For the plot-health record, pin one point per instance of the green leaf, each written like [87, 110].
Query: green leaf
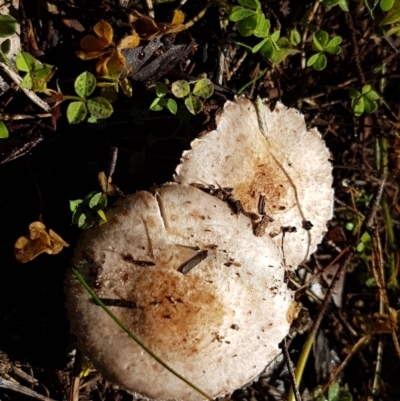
[194, 104]
[85, 84]
[8, 26]
[372, 95]
[74, 204]
[294, 37]
[38, 84]
[204, 88]
[320, 40]
[180, 88]
[5, 46]
[336, 41]
[320, 62]
[27, 82]
[254, 4]
[95, 199]
[284, 50]
[247, 25]
[238, 13]
[102, 215]
[370, 106]
[136, 162]
[103, 201]
[3, 130]
[155, 105]
[257, 47]
[311, 61]
[333, 50]
[76, 112]
[25, 62]
[333, 391]
[344, 5]
[161, 89]
[386, 5]
[82, 220]
[395, 30]
[354, 94]
[99, 107]
[262, 28]
[330, 3]
[42, 71]
[393, 15]
[275, 36]
[268, 49]
[171, 105]
[357, 104]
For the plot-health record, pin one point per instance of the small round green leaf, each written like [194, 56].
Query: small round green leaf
[312, 60]
[42, 70]
[27, 82]
[180, 88]
[204, 88]
[85, 84]
[171, 105]
[386, 5]
[194, 104]
[254, 4]
[263, 27]
[320, 39]
[155, 105]
[247, 26]
[3, 130]
[8, 26]
[357, 104]
[76, 112]
[267, 50]
[95, 199]
[275, 36]
[370, 106]
[6, 46]
[161, 89]
[294, 37]
[25, 62]
[320, 62]
[336, 41]
[99, 107]
[238, 13]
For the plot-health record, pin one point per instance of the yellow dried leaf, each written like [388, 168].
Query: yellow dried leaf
[178, 18]
[106, 186]
[90, 55]
[105, 32]
[38, 241]
[116, 64]
[90, 43]
[129, 42]
[101, 66]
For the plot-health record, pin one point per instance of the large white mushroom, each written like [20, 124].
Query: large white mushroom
[189, 278]
[281, 177]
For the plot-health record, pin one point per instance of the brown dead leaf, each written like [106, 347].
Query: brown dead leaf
[38, 241]
[148, 28]
[111, 60]
[107, 187]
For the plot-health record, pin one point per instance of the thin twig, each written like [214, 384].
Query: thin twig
[289, 364]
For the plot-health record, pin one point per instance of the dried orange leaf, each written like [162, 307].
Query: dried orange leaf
[178, 18]
[129, 42]
[105, 32]
[39, 240]
[90, 55]
[116, 64]
[90, 43]
[106, 186]
[101, 66]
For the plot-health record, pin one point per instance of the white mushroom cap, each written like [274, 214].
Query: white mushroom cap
[218, 325]
[290, 169]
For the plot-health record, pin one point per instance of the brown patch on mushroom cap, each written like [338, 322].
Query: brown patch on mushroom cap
[289, 168]
[219, 324]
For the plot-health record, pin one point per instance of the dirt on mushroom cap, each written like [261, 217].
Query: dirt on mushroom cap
[218, 325]
[289, 169]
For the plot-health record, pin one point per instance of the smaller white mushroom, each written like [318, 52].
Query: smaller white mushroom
[283, 179]
[189, 278]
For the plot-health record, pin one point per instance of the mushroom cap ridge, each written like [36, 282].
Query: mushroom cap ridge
[219, 325]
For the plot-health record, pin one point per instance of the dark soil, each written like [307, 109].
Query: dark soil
[46, 162]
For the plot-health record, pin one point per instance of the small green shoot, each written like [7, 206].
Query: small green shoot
[37, 74]
[3, 130]
[343, 4]
[89, 212]
[8, 26]
[203, 88]
[249, 18]
[392, 17]
[323, 45]
[161, 101]
[98, 107]
[334, 393]
[364, 102]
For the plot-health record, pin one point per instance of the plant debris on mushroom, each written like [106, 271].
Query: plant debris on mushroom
[187, 275]
[282, 177]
